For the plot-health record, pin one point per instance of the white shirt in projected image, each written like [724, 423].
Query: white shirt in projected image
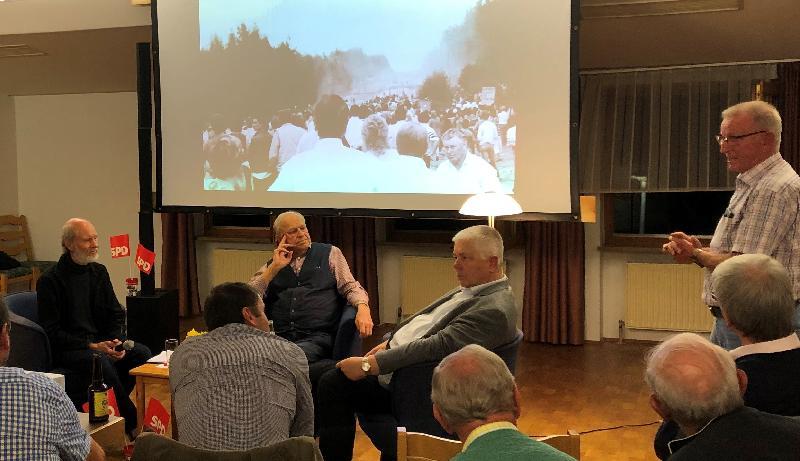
[404, 174]
[329, 167]
[476, 175]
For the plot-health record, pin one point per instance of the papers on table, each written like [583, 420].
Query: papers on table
[160, 358]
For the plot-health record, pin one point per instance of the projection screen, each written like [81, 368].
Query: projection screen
[364, 104]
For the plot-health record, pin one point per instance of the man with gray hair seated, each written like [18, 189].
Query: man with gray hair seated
[696, 384]
[480, 311]
[755, 294]
[474, 396]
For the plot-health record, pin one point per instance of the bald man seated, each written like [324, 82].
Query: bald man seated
[82, 317]
[696, 384]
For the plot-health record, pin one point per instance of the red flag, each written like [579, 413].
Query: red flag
[145, 259]
[120, 247]
[156, 417]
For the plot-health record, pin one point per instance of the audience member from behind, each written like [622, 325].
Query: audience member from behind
[696, 384]
[755, 294]
[474, 396]
[329, 166]
[224, 168]
[239, 386]
[37, 419]
[82, 317]
[406, 165]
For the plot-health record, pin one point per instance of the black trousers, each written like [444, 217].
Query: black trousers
[115, 374]
[339, 401]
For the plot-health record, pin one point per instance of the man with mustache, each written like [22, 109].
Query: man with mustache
[82, 317]
[763, 215]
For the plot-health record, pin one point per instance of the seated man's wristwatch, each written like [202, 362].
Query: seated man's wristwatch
[365, 366]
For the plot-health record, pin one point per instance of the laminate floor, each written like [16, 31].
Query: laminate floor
[596, 389]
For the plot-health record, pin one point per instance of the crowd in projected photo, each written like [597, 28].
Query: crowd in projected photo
[342, 110]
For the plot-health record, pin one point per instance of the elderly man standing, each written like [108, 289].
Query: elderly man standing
[696, 384]
[764, 212]
[37, 420]
[239, 386]
[82, 317]
[302, 286]
[480, 311]
[474, 396]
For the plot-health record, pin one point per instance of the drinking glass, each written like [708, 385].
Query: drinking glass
[169, 348]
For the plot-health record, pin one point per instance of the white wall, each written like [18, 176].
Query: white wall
[77, 156]
[8, 157]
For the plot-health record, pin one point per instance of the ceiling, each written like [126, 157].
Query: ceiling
[90, 45]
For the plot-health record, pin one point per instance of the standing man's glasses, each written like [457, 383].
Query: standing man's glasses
[731, 138]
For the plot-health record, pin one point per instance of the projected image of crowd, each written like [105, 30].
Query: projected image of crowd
[395, 142]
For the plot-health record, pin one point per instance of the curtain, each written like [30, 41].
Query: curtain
[553, 300]
[356, 238]
[179, 261]
[653, 130]
[788, 103]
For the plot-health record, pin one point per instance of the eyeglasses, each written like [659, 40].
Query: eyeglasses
[731, 138]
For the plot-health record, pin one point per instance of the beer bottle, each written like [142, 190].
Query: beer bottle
[98, 393]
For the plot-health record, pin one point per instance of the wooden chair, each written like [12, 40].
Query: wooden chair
[415, 446]
[15, 240]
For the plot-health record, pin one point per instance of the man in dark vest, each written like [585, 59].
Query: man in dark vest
[302, 285]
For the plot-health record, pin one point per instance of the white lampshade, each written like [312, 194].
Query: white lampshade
[490, 204]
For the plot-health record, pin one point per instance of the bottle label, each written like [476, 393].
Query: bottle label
[100, 403]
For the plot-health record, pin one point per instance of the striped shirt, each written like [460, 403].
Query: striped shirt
[37, 419]
[762, 217]
[238, 388]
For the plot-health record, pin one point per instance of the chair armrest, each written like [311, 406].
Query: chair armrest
[30, 347]
[347, 342]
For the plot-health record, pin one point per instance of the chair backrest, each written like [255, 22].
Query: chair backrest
[30, 348]
[24, 304]
[415, 446]
[411, 391]
[153, 447]
[14, 237]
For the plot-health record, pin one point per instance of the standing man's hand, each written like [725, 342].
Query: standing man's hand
[364, 320]
[681, 246]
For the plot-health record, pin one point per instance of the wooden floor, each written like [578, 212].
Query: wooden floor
[596, 389]
[584, 388]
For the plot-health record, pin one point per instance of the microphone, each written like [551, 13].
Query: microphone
[127, 344]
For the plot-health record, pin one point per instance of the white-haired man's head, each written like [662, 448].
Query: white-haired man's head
[693, 381]
[478, 255]
[79, 239]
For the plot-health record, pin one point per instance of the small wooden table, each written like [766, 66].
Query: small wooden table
[150, 373]
[110, 435]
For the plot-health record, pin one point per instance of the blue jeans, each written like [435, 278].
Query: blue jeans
[722, 336]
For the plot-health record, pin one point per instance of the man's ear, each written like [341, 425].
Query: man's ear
[517, 400]
[248, 317]
[437, 415]
[659, 407]
[741, 376]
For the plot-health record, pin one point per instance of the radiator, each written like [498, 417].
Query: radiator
[424, 279]
[236, 265]
[665, 297]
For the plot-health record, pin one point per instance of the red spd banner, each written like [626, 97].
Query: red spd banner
[145, 259]
[120, 246]
[156, 417]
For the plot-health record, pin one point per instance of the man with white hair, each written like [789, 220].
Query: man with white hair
[474, 396]
[696, 384]
[763, 215]
[82, 317]
[480, 311]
